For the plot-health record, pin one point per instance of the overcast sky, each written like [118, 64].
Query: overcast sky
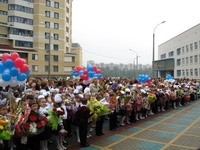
[107, 29]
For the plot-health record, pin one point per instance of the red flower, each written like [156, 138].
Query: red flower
[39, 125]
[26, 126]
[33, 118]
[43, 118]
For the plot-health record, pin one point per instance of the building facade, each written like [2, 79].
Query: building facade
[41, 32]
[182, 54]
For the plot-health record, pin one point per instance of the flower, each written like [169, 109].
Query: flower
[32, 118]
[5, 129]
[151, 97]
[26, 126]
[39, 125]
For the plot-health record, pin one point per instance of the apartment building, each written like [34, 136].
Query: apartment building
[41, 32]
[180, 56]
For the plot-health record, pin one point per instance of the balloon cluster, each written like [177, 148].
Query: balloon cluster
[13, 70]
[86, 73]
[169, 77]
[143, 78]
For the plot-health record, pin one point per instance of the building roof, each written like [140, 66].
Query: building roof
[9, 48]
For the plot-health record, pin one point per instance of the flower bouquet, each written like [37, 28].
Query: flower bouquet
[151, 97]
[34, 124]
[5, 129]
[54, 116]
[97, 108]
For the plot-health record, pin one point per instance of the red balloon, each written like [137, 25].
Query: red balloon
[85, 71]
[85, 77]
[82, 76]
[98, 71]
[94, 68]
[19, 62]
[14, 56]
[5, 56]
[24, 68]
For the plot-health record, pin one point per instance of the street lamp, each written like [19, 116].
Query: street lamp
[136, 58]
[154, 46]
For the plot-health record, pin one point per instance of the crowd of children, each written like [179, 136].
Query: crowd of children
[61, 104]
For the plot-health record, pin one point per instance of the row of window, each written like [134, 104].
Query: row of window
[20, 8]
[3, 1]
[55, 14]
[48, 3]
[55, 68]
[24, 44]
[32, 1]
[188, 60]
[188, 72]
[20, 20]
[22, 32]
[184, 50]
[3, 12]
[55, 36]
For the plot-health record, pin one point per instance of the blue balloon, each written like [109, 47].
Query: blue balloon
[73, 73]
[28, 72]
[89, 67]
[2, 67]
[76, 74]
[21, 76]
[14, 71]
[80, 72]
[99, 76]
[91, 74]
[9, 63]
[6, 76]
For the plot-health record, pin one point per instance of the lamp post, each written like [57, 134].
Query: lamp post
[154, 46]
[136, 61]
[49, 53]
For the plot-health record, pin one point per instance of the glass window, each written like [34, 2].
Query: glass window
[46, 68]
[55, 58]
[56, 36]
[183, 50]
[171, 54]
[56, 15]
[46, 47]
[67, 19]
[68, 69]
[195, 45]
[47, 35]
[187, 49]
[47, 13]
[196, 59]
[183, 61]
[56, 26]
[191, 59]
[187, 72]
[48, 3]
[47, 24]
[183, 73]
[55, 68]
[56, 5]
[178, 62]
[191, 72]
[178, 51]
[46, 57]
[34, 56]
[178, 73]
[196, 72]
[191, 47]
[187, 60]
[34, 68]
[55, 47]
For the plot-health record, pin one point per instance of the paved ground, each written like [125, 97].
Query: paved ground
[170, 130]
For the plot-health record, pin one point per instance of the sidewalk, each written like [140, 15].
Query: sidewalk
[175, 129]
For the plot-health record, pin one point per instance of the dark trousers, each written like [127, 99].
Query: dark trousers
[34, 142]
[83, 132]
[113, 121]
[99, 125]
[18, 144]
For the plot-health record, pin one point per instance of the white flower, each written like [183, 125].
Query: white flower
[33, 128]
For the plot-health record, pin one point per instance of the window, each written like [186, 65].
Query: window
[67, 39]
[67, 9]
[195, 45]
[56, 26]
[196, 59]
[187, 60]
[67, 69]
[46, 68]
[47, 24]
[163, 56]
[183, 61]
[183, 50]
[67, 29]
[191, 47]
[46, 57]
[178, 73]
[55, 68]
[178, 62]
[191, 60]
[48, 3]
[171, 54]
[34, 68]
[67, 19]
[55, 58]
[69, 59]
[178, 51]
[191, 72]
[47, 35]
[183, 73]
[187, 72]
[187, 49]
[55, 47]
[24, 44]
[68, 1]
[34, 56]
[56, 5]
[196, 72]
[46, 47]
[3, 12]
[47, 13]
[56, 36]
[56, 15]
